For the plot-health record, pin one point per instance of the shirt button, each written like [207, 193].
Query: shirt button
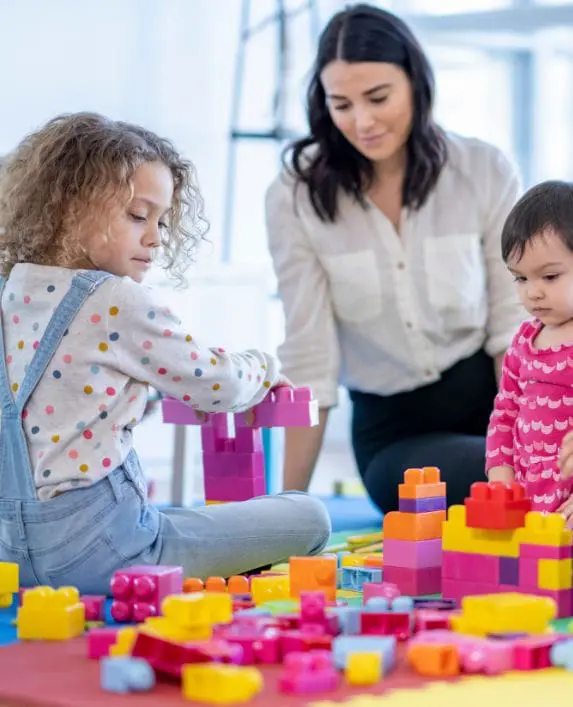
[408, 325]
[401, 265]
[428, 373]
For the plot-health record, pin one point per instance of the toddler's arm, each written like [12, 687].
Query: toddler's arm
[499, 443]
[152, 346]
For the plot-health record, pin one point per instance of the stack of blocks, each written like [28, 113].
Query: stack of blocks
[413, 534]
[234, 464]
[495, 543]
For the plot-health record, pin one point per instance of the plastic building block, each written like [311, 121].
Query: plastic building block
[348, 619]
[471, 567]
[193, 584]
[434, 659]
[215, 584]
[545, 552]
[352, 561]
[504, 612]
[385, 590]
[258, 647]
[313, 573]
[95, 607]
[431, 620]
[238, 585]
[124, 642]
[9, 583]
[363, 669]
[533, 653]
[283, 407]
[265, 589]
[456, 536]
[508, 571]
[51, 614]
[496, 506]
[184, 609]
[220, 684]
[307, 673]
[313, 608]
[376, 559]
[561, 655]
[434, 604]
[542, 529]
[414, 582]
[138, 591]
[422, 483]
[422, 505]
[555, 574]
[100, 641]
[405, 553]
[384, 646]
[309, 638]
[354, 578]
[123, 675]
[386, 623]
[413, 526]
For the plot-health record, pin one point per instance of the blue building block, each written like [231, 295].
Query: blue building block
[561, 655]
[354, 578]
[348, 619]
[385, 646]
[126, 674]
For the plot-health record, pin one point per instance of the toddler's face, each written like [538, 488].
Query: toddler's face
[128, 247]
[544, 276]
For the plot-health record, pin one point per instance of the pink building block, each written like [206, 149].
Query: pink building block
[418, 554]
[431, 620]
[528, 574]
[415, 582]
[385, 590]
[470, 567]
[176, 412]
[139, 591]
[545, 552]
[100, 641]
[95, 607]
[477, 655]
[283, 407]
[532, 653]
[308, 673]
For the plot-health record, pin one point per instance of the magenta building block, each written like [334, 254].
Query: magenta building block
[248, 439]
[384, 590]
[258, 648]
[470, 567]
[226, 465]
[457, 589]
[545, 552]
[308, 673]
[563, 598]
[176, 412]
[313, 608]
[139, 591]
[422, 505]
[509, 571]
[413, 554]
[94, 607]
[100, 641]
[528, 574]
[477, 655]
[532, 653]
[414, 582]
[283, 407]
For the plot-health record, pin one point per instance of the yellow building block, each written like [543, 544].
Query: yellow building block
[124, 641]
[353, 560]
[555, 574]
[198, 609]
[504, 613]
[457, 537]
[220, 607]
[220, 684]
[363, 669]
[51, 614]
[170, 630]
[269, 589]
[9, 582]
[547, 529]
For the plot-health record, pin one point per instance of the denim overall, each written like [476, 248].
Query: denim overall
[82, 537]
[73, 539]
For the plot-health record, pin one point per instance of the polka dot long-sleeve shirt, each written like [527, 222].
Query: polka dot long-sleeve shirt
[79, 420]
[532, 413]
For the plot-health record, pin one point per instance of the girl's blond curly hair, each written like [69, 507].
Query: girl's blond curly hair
[61, 179]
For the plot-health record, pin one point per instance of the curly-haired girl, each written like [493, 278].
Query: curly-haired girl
[86, 204]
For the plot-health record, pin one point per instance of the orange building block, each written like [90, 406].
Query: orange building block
[215, 584]
[434, 659]
[414, 526]
[496, 506]
[192, 585]
[422, 483]
[313, 574]
[238, 585]
[374, 560]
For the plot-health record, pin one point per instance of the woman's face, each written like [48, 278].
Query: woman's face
[371, 104]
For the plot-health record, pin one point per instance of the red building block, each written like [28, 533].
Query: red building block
[95, 607]
[496, 506]
[532, 653]
[138, 591]
[386, 623]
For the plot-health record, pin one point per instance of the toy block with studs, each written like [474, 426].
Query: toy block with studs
[422, 483]
[496, 506]
[51, 614]
[9, 583]
[138, 591]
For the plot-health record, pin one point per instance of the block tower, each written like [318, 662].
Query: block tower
[232, 448]
[494, 543]
[413, 534]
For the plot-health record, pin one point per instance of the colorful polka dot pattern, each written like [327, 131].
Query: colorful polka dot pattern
[79, 418]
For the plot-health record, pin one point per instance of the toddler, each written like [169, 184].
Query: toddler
[87, 204]
[527, 437]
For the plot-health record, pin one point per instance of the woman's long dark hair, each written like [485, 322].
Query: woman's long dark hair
[364, 33]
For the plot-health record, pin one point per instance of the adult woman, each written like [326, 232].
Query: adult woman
[384, 233]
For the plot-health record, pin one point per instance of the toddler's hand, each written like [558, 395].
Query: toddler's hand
[505, 474]
[282, 382]
[566, 510]
[566, 456]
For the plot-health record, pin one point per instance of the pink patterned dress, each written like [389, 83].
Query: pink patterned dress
[533, 411]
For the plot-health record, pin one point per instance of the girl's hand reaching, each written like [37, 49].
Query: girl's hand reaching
[566, 456]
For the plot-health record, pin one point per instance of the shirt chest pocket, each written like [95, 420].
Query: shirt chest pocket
[456, 277]
[355, 285]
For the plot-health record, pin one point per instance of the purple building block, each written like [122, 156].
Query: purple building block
[509, 570]
[422, 505]
[414, 554]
